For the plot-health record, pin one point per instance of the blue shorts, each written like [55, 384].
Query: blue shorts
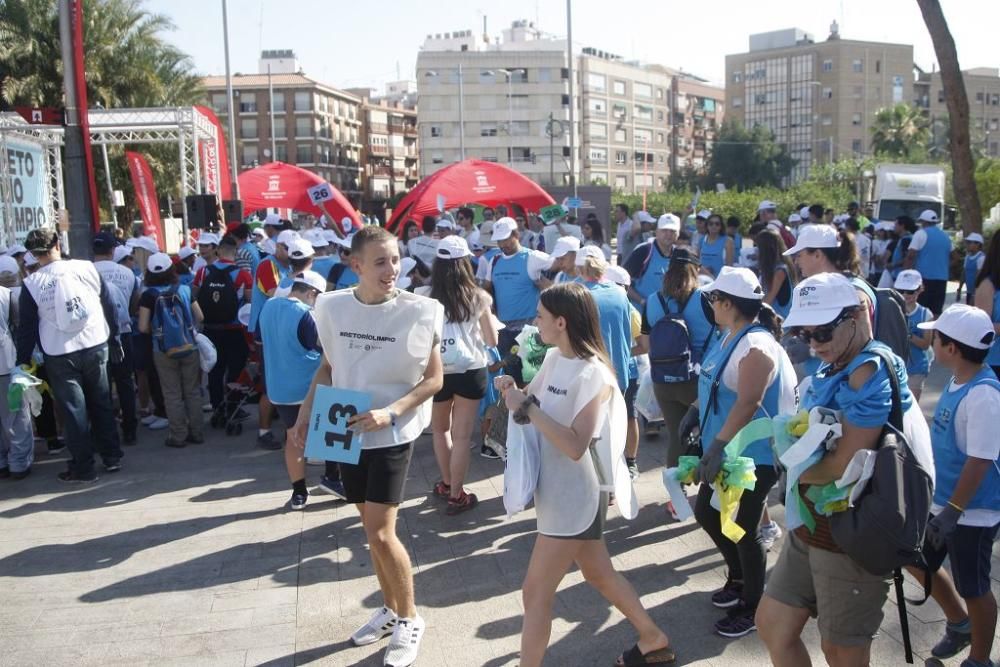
[969, 548]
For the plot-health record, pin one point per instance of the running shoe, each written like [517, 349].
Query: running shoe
[729, 595]
[21, 474]
[488, 452]
[332, 486]
[405, 642]
[298, 500]
[381, 624]
[112, 465]
[951, 644]
[148, 419]
[55, 445]
[463, 503]
[739, 622]
[158, 424]
[71, 477]
[769, 534]
[633, 467]
[442, 490]
[268, 442]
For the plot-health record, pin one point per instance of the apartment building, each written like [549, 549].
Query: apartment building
[699, 109]
[819, 98]
[314, 126]
[982, 87]
[505, 101]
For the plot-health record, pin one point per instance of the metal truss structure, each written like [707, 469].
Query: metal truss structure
[48, 140]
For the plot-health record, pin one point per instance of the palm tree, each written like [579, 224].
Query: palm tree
[900, 132]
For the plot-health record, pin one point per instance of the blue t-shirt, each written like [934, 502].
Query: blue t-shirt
[615, 316]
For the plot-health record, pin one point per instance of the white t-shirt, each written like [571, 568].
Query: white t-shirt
[765, 342]
[624, 227]
[538, 261]
[422, 247]
[119, 276]
[864, 244]
[976, 437]
[919, 239]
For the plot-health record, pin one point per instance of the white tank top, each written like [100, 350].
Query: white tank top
[381, 350]
[462, 346]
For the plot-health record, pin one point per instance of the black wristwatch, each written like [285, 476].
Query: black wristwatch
[521, 414]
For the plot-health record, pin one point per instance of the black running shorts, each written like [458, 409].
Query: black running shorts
[379, 476]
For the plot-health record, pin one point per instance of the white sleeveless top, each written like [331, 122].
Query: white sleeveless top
[462, 347]
[568, 491]
[381, 350]
[80, 286]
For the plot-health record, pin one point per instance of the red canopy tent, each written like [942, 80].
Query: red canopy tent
[280, 185]
[469, 182]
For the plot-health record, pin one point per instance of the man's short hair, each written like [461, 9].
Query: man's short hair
[623, 208]
[428, 224]
[370, 234]
[229, 243]
[466, 213]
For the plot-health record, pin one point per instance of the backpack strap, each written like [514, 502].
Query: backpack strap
[713, 392]
[896, 412]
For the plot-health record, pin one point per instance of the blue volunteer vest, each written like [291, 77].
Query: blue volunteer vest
[971, 271]
[993, 356]
[699, 328]
[258, 298]
[949, 459]
[920, 360]
[615, 318]
[322, 265]
[348, 278]
[713, 253]
[714, 417]
[781, 309]
[897, 255]
[516, 293]
[254, 253]
[652, 276]
[289, 366]
[185, 278]
[933, 258]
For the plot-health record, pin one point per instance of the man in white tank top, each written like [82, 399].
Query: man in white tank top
[384, 342]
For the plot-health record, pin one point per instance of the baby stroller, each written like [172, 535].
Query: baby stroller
[247, 389]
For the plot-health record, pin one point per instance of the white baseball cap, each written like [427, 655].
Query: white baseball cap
[704, 213]
[486, 234]
[287, 236]
[208, 238]
[268, 246]
[804, 212]
[120, 253]
[619, 275]
[406, 266]
[8, 265]
[794, 217]
[159, 262]
[259, 232]
[299, 248]
[452, 247]
[819, 299]
[345, 242]
[644, 216]
[669, 221]
[928, 215]
[503, 228]
[273, 219]
[16, 249]
[908, 280]
[312, 279]
[565, 244]
[30, 260]
[737, 281]
[589, 251]
[316, 237]
[814, 236]
[445, 223]
[186, 252]
[974, 238]
[766, 205]
[146, 243]
[330, 236]
[966, 324]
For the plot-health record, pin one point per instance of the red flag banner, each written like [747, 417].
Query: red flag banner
[216, 154]
[145, 196]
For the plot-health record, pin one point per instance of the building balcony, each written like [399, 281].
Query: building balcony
[378, 128]
[378, 149]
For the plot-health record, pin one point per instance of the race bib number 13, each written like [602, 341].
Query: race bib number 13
[329, 437]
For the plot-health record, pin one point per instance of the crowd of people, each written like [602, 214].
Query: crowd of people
[454, 324]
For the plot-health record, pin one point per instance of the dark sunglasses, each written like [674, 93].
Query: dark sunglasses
[344, 251]
[823, 334]
[907, 291]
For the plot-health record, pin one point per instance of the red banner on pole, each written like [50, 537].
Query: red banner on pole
[217, 154]
[145, 196]
[80, 81]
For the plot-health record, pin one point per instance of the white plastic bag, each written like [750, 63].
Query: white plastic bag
[24, 388]
[206, 351]
[520, 474]
[645, 399]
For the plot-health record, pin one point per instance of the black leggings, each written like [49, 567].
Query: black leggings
[746, 559]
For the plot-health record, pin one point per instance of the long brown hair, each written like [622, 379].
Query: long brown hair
[454, 286]
[680, 281]
[770, 249]
[574, 303]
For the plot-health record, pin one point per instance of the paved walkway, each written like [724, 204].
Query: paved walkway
[190, 557]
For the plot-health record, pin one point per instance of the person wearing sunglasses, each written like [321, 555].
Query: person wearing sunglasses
[745, 375]
[910, 284]
[341, 275]
[813, 577]
[716, 249]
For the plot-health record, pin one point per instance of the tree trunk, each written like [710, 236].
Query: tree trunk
[963, 166]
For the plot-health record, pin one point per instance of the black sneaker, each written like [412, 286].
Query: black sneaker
[298, 500]
[17, 476]
[71, 477]
[55, 445]
[113, 465]
[738, 622]
[268, 442]
[633, 467]
[488, 452]
[729, 595]
[951, 644]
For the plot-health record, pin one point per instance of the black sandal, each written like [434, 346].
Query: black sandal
[636, 658]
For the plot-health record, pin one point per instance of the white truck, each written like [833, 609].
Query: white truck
[908, 189]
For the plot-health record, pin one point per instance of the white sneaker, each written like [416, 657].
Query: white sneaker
[158, 424]
[769, 534]
[405, 642]
[380, 625]
[147, 420]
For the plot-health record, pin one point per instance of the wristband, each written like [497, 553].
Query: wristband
[521, 414]
[954, 506]
[392, 417]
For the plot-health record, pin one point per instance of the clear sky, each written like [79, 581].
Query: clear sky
[352, 43]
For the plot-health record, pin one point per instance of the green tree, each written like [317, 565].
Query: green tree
[988, 184]
[900, 132]
[747, 158]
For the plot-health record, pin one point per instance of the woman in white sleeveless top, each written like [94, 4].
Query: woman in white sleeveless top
[574, 403]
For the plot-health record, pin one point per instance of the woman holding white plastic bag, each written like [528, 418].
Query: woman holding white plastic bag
[468, 331]
[578, 411]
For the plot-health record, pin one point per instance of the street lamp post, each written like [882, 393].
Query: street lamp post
[509, 73]
[229, 104]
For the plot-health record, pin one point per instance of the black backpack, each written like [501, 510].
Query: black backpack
[217, 297]
[884, 530]
[891, 326]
